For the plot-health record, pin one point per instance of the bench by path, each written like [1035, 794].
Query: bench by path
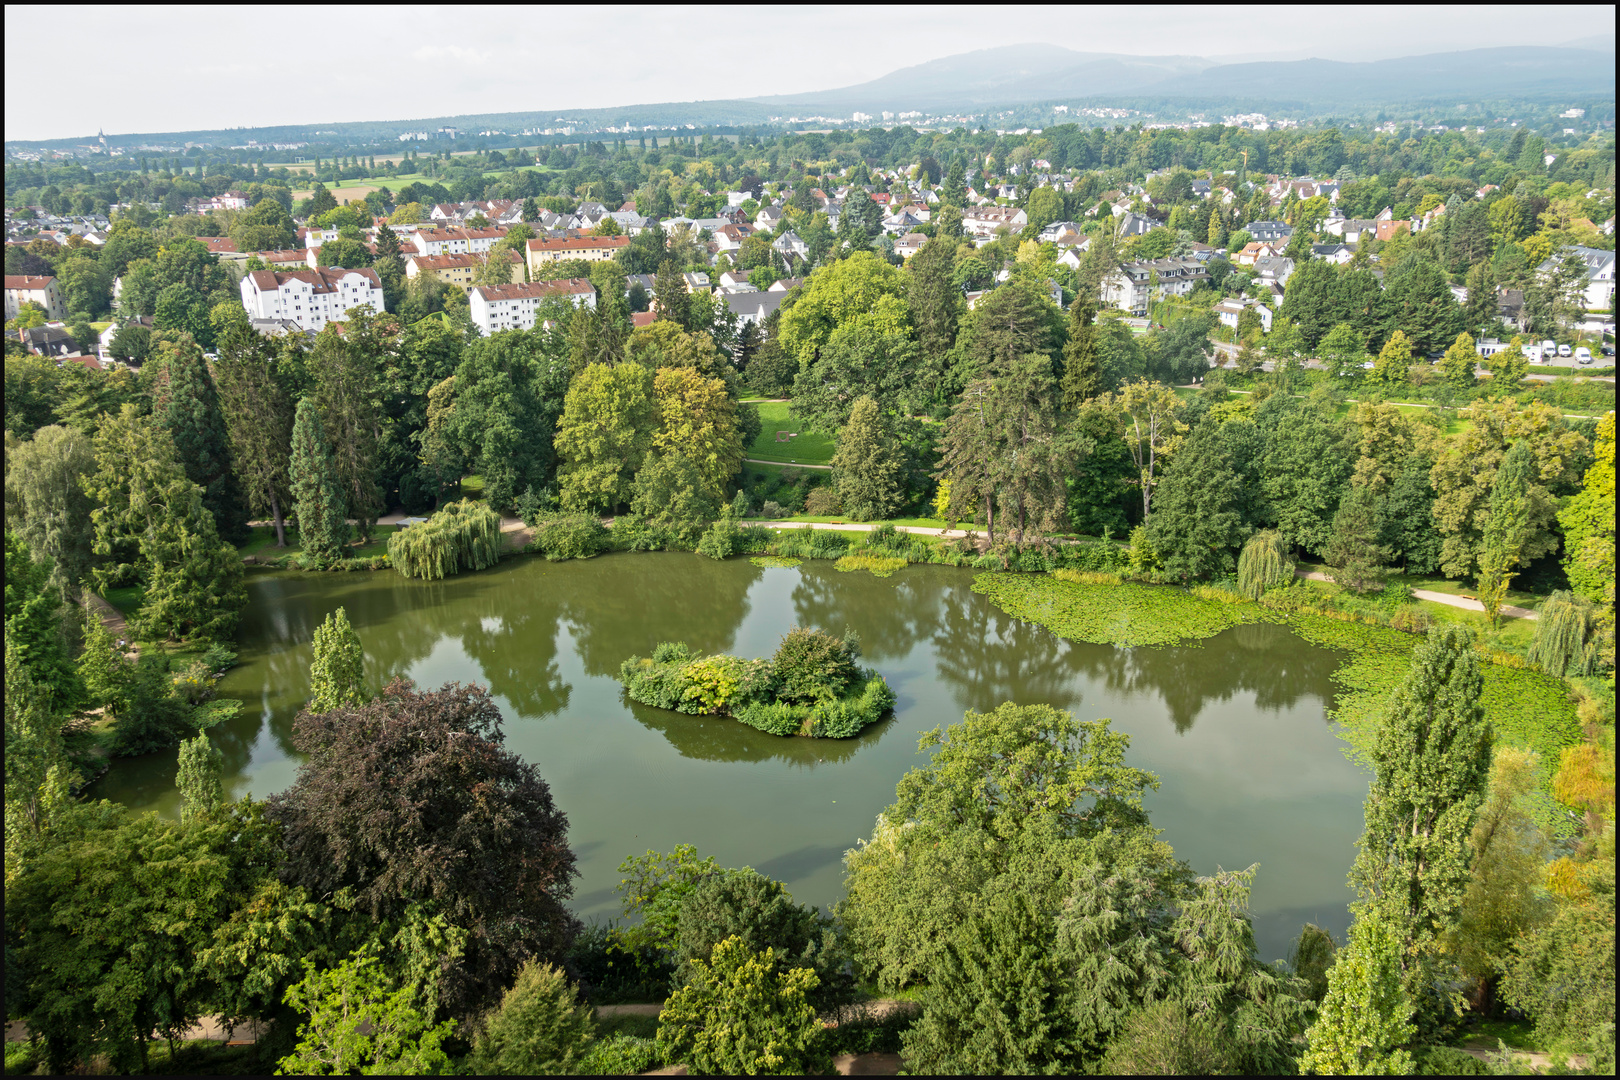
[114, 621]
[1463, 602]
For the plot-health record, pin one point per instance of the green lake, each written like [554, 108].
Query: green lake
[1234, 727]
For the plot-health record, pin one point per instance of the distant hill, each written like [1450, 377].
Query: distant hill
[1020, 74]
[1533, 72]
[1009, 75]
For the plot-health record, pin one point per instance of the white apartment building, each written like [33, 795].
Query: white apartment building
[1130, 287]
[310, 298]
[42, 290]
[512, 307]
[456, 241]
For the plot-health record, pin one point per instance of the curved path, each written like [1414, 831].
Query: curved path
[1466, 603]
[786, 464]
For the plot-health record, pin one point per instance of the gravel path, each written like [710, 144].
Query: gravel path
[1466, 603]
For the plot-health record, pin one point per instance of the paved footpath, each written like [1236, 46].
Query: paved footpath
[1464, 602]
[858, 526]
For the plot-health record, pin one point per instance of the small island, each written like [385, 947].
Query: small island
[812, 686]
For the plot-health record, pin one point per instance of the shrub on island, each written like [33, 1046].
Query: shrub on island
[811, 686]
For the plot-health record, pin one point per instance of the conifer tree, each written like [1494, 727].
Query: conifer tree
[198, 777]
[337, 672]
[674, 305]
[867, 466]
[390, 267]
[1082, 373]
[1431, 757]
[317, 505]
[196, 422]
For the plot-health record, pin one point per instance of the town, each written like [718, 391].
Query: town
[1047, 561]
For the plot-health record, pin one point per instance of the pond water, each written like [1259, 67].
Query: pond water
[1234, 727]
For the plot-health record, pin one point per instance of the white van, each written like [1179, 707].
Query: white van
[1549, 348]
[1563, 350]
[1583, 355]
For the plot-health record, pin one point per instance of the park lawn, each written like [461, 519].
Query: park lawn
[472, 487]
[910, 522]
[126, 598]
[263, 539]
[1515, 597]
[806, 447]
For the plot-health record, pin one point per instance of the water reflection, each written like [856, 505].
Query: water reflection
[1233, 726]
[719, 738]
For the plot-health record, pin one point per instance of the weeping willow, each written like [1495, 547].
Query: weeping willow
[1263, 564]
[1564, 642]
[463, 536]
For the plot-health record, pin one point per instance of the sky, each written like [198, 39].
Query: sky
[151, 70]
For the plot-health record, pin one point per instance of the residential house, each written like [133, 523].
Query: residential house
[23, 289]
[786, 284]
[1201, 188]
[1388, 228]
[769, 217]
[458, 270]
[311, 298]
[457, 241]
[982, 222]
[736, 280]
[1230, 311]
[632, 223]
[1599, 290]
[754, 307]
[1058, 229]
[590, 248]
[105, 338]
[1254, 251]
[1129, 287]
[446, 213]
[1510, 308]
[512, 307]
[1274, 269]
[909, 244]
[789, 243]
[697, 282]
[1270, 232]
[1131, 224]
[729, 238]
[1337, 254]
[53, 340]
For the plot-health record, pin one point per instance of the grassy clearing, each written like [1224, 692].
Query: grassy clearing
[263, 539]
[126, 598]
[806, 446]
[637, 1027]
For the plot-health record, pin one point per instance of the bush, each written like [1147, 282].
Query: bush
[1412, 619]
[1447, 1061]
[877, 565]
[723, 540]
[632, 532]
[539, 1028]
[463, 536]
[772, 510]
[1088, 577]
[611, 971]
[747, 907]
[822, 502]
[743, 1013]
[871, 1034]
[1163, 1039]
[812, 665]
[569, 536]
[620, 1055]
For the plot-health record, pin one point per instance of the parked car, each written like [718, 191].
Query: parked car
[1583, 355]
[1564, 350]
[1550, 347]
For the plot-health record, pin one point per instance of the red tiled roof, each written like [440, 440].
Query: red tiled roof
[218, 244]
[27, 281]
[324, 279]
[584, 243]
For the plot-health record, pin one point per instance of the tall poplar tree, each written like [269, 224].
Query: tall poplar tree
[196, 422]
[1431, 758]
[1082, 372]
[258, 421]
[317, 503]
[345, 368]
[934, 301]
[1508, 528]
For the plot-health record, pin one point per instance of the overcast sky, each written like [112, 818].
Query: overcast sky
[149, 69]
